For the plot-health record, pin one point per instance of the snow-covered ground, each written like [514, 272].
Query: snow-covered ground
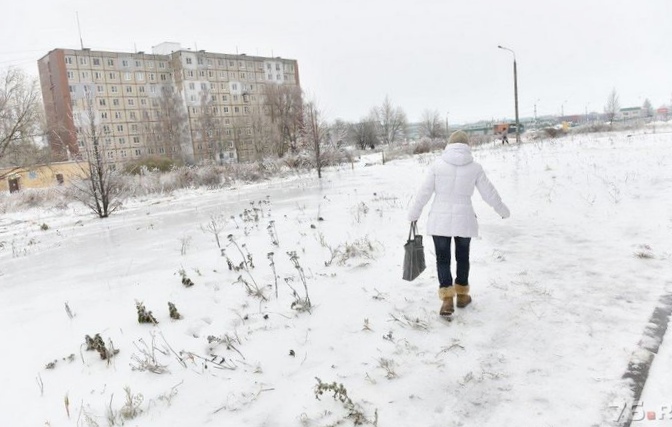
[562, 291]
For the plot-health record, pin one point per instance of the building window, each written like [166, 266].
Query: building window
[201, 73]
[141, 89]
[124, 63]
[242, 76]
[235, 98]
[101, 89]
[136, 140]
[117, 114]
[115, 102]
[127, 76]
[83, 61]
[204, 86]
[102, 102]
[137, 152]
[200, 61]
[138, 63]
[211, 74]
[162, 65]
[150, 64]
[123, 152]
[129, 89]
[143, 101]
[190, 73]
[232, 63]
[106, 129]
[163, 77]
[234, 86]
[71, 75]
[236, 110]
[113, 76]
[68, 60]
[225, 98]
[121, 140]
[98, 75]
[225, 109]
[140, 76]
[151, 77]
[113, 89]
[110, 62]
[131, 102]
[110, 154]
[103, 115]
[192, 86]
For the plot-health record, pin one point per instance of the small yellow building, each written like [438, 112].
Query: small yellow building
[40, 176]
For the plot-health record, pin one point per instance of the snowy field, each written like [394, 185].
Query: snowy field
[563, 291]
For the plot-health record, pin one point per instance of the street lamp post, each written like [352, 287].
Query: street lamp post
[515, 89]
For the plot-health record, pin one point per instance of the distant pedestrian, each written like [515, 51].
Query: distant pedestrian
[505, 137]
[451, 179]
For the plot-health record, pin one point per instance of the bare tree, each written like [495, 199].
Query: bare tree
[237, 131]
[284, 107]
[168, 129]
[20, 121]
[314, 132]
[431, 125]
[391, 121]
[364, 133]
[647, 108]
[100, 185]
[264, 136]
[209, 127]
[612, 107]
[338, 133]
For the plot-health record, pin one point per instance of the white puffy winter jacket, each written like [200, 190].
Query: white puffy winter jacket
[452, 178]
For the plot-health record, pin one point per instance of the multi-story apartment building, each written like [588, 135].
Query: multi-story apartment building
[193, 105]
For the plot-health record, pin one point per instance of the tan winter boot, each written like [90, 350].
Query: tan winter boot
[446, 294]
[463, 298]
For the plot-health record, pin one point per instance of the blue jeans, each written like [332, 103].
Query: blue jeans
[442, 247]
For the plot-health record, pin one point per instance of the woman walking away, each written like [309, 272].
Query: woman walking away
[452, 179]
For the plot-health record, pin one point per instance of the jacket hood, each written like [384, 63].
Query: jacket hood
[457, 154]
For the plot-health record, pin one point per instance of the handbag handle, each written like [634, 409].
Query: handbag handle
[414, 230]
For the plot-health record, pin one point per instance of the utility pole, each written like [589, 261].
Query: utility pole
[515, 89]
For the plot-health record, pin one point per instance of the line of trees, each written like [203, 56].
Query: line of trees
[21, 122]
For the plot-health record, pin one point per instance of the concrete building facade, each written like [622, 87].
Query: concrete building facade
[174, 102]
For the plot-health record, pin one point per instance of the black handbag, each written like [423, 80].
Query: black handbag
[414, 254]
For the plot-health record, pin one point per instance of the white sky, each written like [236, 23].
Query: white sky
[424, 54]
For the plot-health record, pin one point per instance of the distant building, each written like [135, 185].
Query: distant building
[663, 113]
[631, 113]
[132, 95]
[40, 176]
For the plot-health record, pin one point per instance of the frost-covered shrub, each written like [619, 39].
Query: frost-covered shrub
[150, 164]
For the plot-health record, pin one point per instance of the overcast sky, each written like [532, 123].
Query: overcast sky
[424, 54]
